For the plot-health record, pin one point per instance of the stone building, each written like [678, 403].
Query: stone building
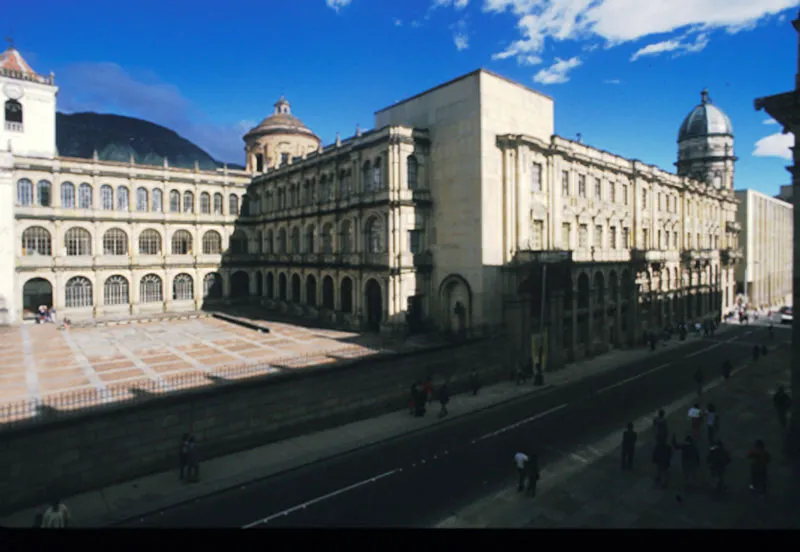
[765, 275]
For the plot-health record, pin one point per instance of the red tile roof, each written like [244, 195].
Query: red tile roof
[12, 60]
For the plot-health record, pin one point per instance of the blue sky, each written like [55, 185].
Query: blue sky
[623, 73]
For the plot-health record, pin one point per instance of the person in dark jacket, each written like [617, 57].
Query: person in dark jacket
[782, 402]
[759, 460]
[192, 461]
[183, 455]
[629, 437]
[662, 456]
[718, 460]
[444, 398]
[690, 459]
[533, 473]
[660, 426]
[727, 368]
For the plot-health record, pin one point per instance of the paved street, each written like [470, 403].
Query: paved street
[417, 479]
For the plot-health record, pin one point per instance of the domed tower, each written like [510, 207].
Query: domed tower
[277, 139]
[705, 145]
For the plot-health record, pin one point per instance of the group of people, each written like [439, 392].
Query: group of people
[422, 394]
[45, 314]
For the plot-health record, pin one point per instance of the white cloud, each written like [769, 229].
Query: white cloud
[619, 21]
[557, 73]
[677, 45]
[336, 5]
[397, 22]
[416, 24]
[612, 81]
[460, 35]
[770, 121]
[775, 145]
[457, 4]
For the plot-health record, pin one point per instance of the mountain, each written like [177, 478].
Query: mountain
[116, 137]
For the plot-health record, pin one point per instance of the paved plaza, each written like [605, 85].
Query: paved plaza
[90, 364]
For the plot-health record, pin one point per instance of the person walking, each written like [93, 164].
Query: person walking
[782, 402]
[521, 461]
[428, 388]
[660, 426]
[444, 398]
[727, 368]
[662, 457]
[56, 516]
[718, 460]
[192, 461]
[533, 474]
[759, 460]
[629, 437]
[690, 460]
[712, 422]
[183, 455]
[475, 382]
[696, 420]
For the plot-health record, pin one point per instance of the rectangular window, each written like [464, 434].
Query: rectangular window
[581, 186]
[675, 240]
[660, 201]
[564, 183]
[612, 237]
[415, 244]
[284, 159]
[538, 235]
[626, 238]
[644, 199]
[658, 237]
[612, 192]
[583, 236]
[625, 194]
[566, 235]
[536, 177]
[598, 188]
[645, 239]
[598, 236]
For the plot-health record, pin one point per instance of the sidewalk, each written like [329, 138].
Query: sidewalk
[587, 489]
[161, 491]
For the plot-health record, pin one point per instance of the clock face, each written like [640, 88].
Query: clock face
[13, 91]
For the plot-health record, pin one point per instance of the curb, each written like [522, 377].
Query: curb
[151, 510]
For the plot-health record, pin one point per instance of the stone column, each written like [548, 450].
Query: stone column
[555, 334]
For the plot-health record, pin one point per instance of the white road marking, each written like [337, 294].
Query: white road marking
[637, 376]
[522, 422]
[304, 505]
[701, 351]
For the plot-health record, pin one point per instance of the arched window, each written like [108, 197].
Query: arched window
[366, 177]
[115, 242]
[212, 243]
[233, 205]
[327, 239]
[36, 241]
[115, 291]
[245, 210]
[311, 239]
[67, 195]
[13, 116]
[43, 193]
[174, 201]
[205, 203]
[295, 240]
[183, 288]
[78, 242]
[345, 183]
[347, 237]
[282, 241]
[212, 286]
[151, 290]
[412, 171]
[238, 242]
[259, 242]
[377, 174]
[85, 200]
[373, 235]
[150, 242]
[181, 243]
[158, 201]
[718, 180]
[188, 202]
[107, 197]
[324, 193]
[269, 244]
[24, 192]
[218, 204]
[141, 199]
[78, 293]
[123, 199]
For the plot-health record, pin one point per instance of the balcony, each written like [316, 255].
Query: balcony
[733, 226]
[543, 257]
[730, 256]
[699, 257]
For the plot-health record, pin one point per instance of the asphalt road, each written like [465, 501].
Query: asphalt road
[420, 478]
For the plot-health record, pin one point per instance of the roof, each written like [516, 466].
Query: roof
[705, 119]
[281, 122]
[12, 64]
[462, 77]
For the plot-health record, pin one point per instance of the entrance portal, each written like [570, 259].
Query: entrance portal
[374, 303]
[36, 292]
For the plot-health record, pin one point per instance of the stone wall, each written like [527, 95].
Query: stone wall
[91, 451]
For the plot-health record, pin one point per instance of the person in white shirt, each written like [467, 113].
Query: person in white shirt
[695, 418]
[56, 516]
[521, 460]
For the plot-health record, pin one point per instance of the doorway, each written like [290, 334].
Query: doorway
[374, 303]
[36, 292]
[414, 313]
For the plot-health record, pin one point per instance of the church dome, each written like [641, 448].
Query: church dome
[281, 122]
[705, 119]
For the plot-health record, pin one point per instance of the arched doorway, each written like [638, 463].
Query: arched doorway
[282, 287]
[296, 288]
[374, 302]
[346, 295]
[311, 291]
[36, 292]
[240, 285]
[456, 299]
[327, 292]
[259, 284]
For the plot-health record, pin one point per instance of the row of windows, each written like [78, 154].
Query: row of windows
[119, 199]
[78, 242]
[78, 292]
[665, 239]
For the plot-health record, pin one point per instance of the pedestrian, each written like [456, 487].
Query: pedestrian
[444, 398]
[712, 422]
[690, 459]
[662, 456]
[698, 380]
[475, 383]
[696, 420]
[56, 516]
[192, 461]
[521, 461]
[183, 455]
[782, 402]
[759, 460]
[533, 474]
[718, 460]
[629, 437]
[727, 368]
[428, 388]
[660, 426]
